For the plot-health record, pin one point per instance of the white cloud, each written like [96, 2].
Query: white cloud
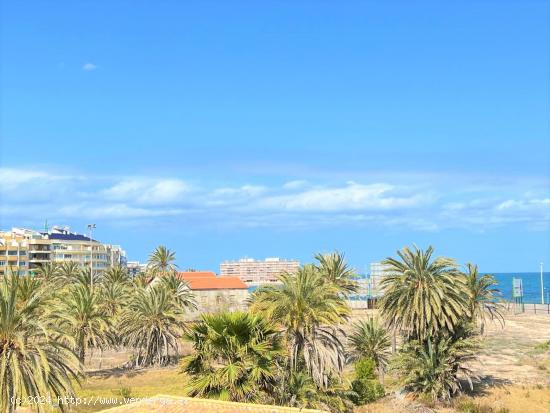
[243, 191]
[353, 196]
[11, 178]
[147, 191]
[89, 67]
[297, 184]
[524, 205]
[114, 211]
[27, 193]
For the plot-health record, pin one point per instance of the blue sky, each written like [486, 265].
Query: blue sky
[278, 128]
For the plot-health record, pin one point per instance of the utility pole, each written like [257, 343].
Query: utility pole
[91, 227]
[541, 283]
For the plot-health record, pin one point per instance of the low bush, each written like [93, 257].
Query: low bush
[469, 406]
[365, 387]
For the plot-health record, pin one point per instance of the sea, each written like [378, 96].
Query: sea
[531, 285]
[530, 281]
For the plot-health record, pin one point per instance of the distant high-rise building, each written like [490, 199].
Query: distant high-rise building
[135, 268]
[257, 272]
[24, 250]
[377, 271]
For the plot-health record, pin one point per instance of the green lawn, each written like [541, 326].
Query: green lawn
[131, 384]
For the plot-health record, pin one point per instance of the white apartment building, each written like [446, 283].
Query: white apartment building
[377, 271]
[58, 245]
[135, 268]
[257, 272]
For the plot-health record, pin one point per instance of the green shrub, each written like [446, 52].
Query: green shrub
[543, 346]
[124, 391]
[365, 388]
[469, 406]
[366, 391]
[365, 369]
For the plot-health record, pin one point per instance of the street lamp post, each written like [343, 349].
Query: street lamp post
[541, 283]
[91, 227]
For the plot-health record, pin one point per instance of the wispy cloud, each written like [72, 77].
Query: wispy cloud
[392, 202]
[352, 196]
[88, 67]
[147, 191]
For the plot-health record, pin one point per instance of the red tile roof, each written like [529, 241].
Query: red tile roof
[209, 281]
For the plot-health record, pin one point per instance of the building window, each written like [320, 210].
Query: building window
[12, 252]
[22, 252]
[22, 263]
[2, 263]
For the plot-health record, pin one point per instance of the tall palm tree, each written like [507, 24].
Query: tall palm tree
[152, 325]
[33, 363]
[48, 271]
[334, 267]
[309, 309]
[162, 261]
[113, 297]
[69, 270]
[180, 291]
[115, 275]
[422, 295]
[483, 297]
[28, 287]
[234, 356]
[80, 314]
[370, 340]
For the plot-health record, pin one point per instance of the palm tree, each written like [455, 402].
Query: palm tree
[68, 271]
[180, 291]
[48, 271]
[422, 296]
[436, 367]
[161, 261]
[309, 309]
[81, 316]
[28, 287]
[234, 356]
[333, 266]
[113, 296]
[33, 362]
[370, 340]
[298, 390]
[483, 297]
[152, 324]
[116, 275]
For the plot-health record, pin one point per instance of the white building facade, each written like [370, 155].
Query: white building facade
[258, 272]
[60, 245]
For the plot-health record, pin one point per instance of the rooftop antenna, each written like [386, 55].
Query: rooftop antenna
[46, 229]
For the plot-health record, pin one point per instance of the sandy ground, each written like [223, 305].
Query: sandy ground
[509, 354]
[515, 375]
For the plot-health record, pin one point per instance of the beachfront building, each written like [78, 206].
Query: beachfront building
[257, 272]
[377, 271]
[14, 253]
[59, 245]
[216, 293]
[135, 268]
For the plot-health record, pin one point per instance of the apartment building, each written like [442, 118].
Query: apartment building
[14, 254]
[135, 268]
[377, 271]
[34, 248]
[257, 272]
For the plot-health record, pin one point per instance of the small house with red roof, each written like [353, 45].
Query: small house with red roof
[216, 293]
